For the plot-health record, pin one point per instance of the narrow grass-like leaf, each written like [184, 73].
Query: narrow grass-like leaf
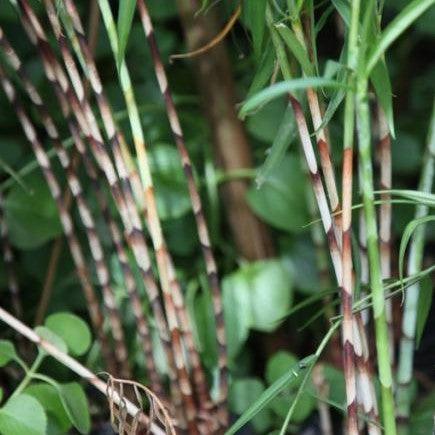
[125, 19]
[254, 13]
[264, 71]
[343, 9]
[270, 393]
[396, 27]
[424, 198]
[283, 88]
[296, 48]
[407, 234]
[284, 136]
[424, 305]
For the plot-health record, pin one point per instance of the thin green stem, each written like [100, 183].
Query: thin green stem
[381, 329]
[29, 374]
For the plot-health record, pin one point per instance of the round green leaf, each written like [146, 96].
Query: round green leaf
[281, 199]
[48, 397]
[7, 352]
[73, 330]
[76, 405]
[23, 414]
[51, 337]
[32, 217]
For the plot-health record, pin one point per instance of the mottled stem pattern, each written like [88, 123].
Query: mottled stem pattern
[204, 236]
[385, 217]
[409, 320]
[67, 224]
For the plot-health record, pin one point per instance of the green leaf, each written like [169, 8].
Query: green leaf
[125, 20]
[48, 396]
[76, 405]
[424, 198]
[263, 72]
[73, 331]
[423, 309]
[382, 85]
[298, 50]
[22, 414]
[237, 312]
[7, 352]
[254, 12]
[277, 90]
[32, 218]
[395, 28]
[284, 136]
[281, 199]
[243, 393]
[422, 415]
[51, 337]
[270, 393]
[407, 234]
[170, 183]
[343, 8]
[270, 292]
[335, 380]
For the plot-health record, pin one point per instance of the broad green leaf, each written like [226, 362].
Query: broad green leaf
[51, 337]
[243, 393]
[253, 14]
[270, 393]
[279, 364]
[170, 183]
[32, 218]
[76, 405]
[281, 199]
[293, 44]
[125, 19]
[237, 312]
[424, 305]
[407, 234]
[73, 331]
[284, 136]
[48, 396]
[270, 293]
[422, 415]
[277, 90]
[7, 352]
[335, 381]
[22, 414]
[395, 28]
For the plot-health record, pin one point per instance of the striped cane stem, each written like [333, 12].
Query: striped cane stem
[409, 320]
[67, 224]
[381, 328]
[203, 233]
[385, 183]
[113, 135]
[154, 225]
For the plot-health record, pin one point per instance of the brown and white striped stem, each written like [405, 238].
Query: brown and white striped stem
[114, 141]
[385, 217]
[95, 245]
[204, 237]
[67, 224]
[164, 260]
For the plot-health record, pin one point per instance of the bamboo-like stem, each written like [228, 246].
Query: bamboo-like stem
[114, 139]
[381, 328]
[385, 217]
[77, 368]
[9, 258]
[95, 245]
[164, 259]
[66, 221]
[347, 179]
[204, 237]
[80, 149]
[56, 250]
[409, 320]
